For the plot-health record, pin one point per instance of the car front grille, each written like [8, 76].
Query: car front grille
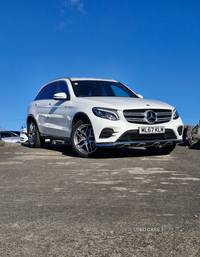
[148, 116]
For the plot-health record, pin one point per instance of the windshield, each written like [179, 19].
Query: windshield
[92, 88]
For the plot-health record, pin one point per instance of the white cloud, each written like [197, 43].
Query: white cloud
[62, 24]
[78, 4]
[74, 1]
[64, 9]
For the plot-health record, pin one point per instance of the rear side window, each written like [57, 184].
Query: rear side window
[6, 134]
[47, 92]
[41, 93]
[14, 135]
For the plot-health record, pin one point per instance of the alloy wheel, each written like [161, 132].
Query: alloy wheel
[84, 139]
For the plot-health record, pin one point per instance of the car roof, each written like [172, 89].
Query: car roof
[75, 79]
[86, 79]
[81, 79]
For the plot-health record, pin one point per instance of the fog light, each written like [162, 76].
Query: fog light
[106, 133]
[180, 130]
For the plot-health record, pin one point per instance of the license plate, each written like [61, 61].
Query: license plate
[151, 130]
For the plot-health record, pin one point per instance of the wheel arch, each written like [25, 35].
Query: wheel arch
[80, 116]
[82, 137]
[29, 118]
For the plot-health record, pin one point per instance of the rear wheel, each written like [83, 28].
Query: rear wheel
[167, 149]
[34, 136]
[82, 139]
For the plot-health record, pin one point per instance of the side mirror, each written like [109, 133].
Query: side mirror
[140, 96]
[60, 96]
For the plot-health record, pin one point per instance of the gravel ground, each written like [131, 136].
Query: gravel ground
[11, 144]
[96, 239]
[55, 204]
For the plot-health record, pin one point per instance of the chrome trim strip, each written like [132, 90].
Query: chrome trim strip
[139, 143]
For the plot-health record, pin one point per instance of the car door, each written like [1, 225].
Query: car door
[58, 120]
[41, 103]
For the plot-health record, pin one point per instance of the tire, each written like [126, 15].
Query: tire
[33, 135]
[82, 139]
[161, 150]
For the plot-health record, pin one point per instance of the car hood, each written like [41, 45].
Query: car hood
[121, 103]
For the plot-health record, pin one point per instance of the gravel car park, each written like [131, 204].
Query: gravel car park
[93, 114]
[129, 203]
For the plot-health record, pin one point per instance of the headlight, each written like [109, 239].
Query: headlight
[175, 114]
[106, 113]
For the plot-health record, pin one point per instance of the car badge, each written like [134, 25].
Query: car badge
[150, 117]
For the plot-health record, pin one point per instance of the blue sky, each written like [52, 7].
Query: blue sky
[152, 46]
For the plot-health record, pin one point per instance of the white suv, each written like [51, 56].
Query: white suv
[95, 113]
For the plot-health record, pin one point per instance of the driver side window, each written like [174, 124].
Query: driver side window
[62, 88]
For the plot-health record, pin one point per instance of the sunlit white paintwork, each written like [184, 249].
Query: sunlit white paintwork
[54, 117]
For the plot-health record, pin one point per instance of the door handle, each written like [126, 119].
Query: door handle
[36, 104]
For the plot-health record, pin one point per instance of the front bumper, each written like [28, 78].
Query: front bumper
[140, 143]
[23, 139]
[127, 136]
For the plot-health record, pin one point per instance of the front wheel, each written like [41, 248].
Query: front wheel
[82, 139]
[34, 136]
[167, 149]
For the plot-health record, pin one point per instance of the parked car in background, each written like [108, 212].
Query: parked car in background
[93, 114]
[10, 136]
[24, 136]
[16, 132]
